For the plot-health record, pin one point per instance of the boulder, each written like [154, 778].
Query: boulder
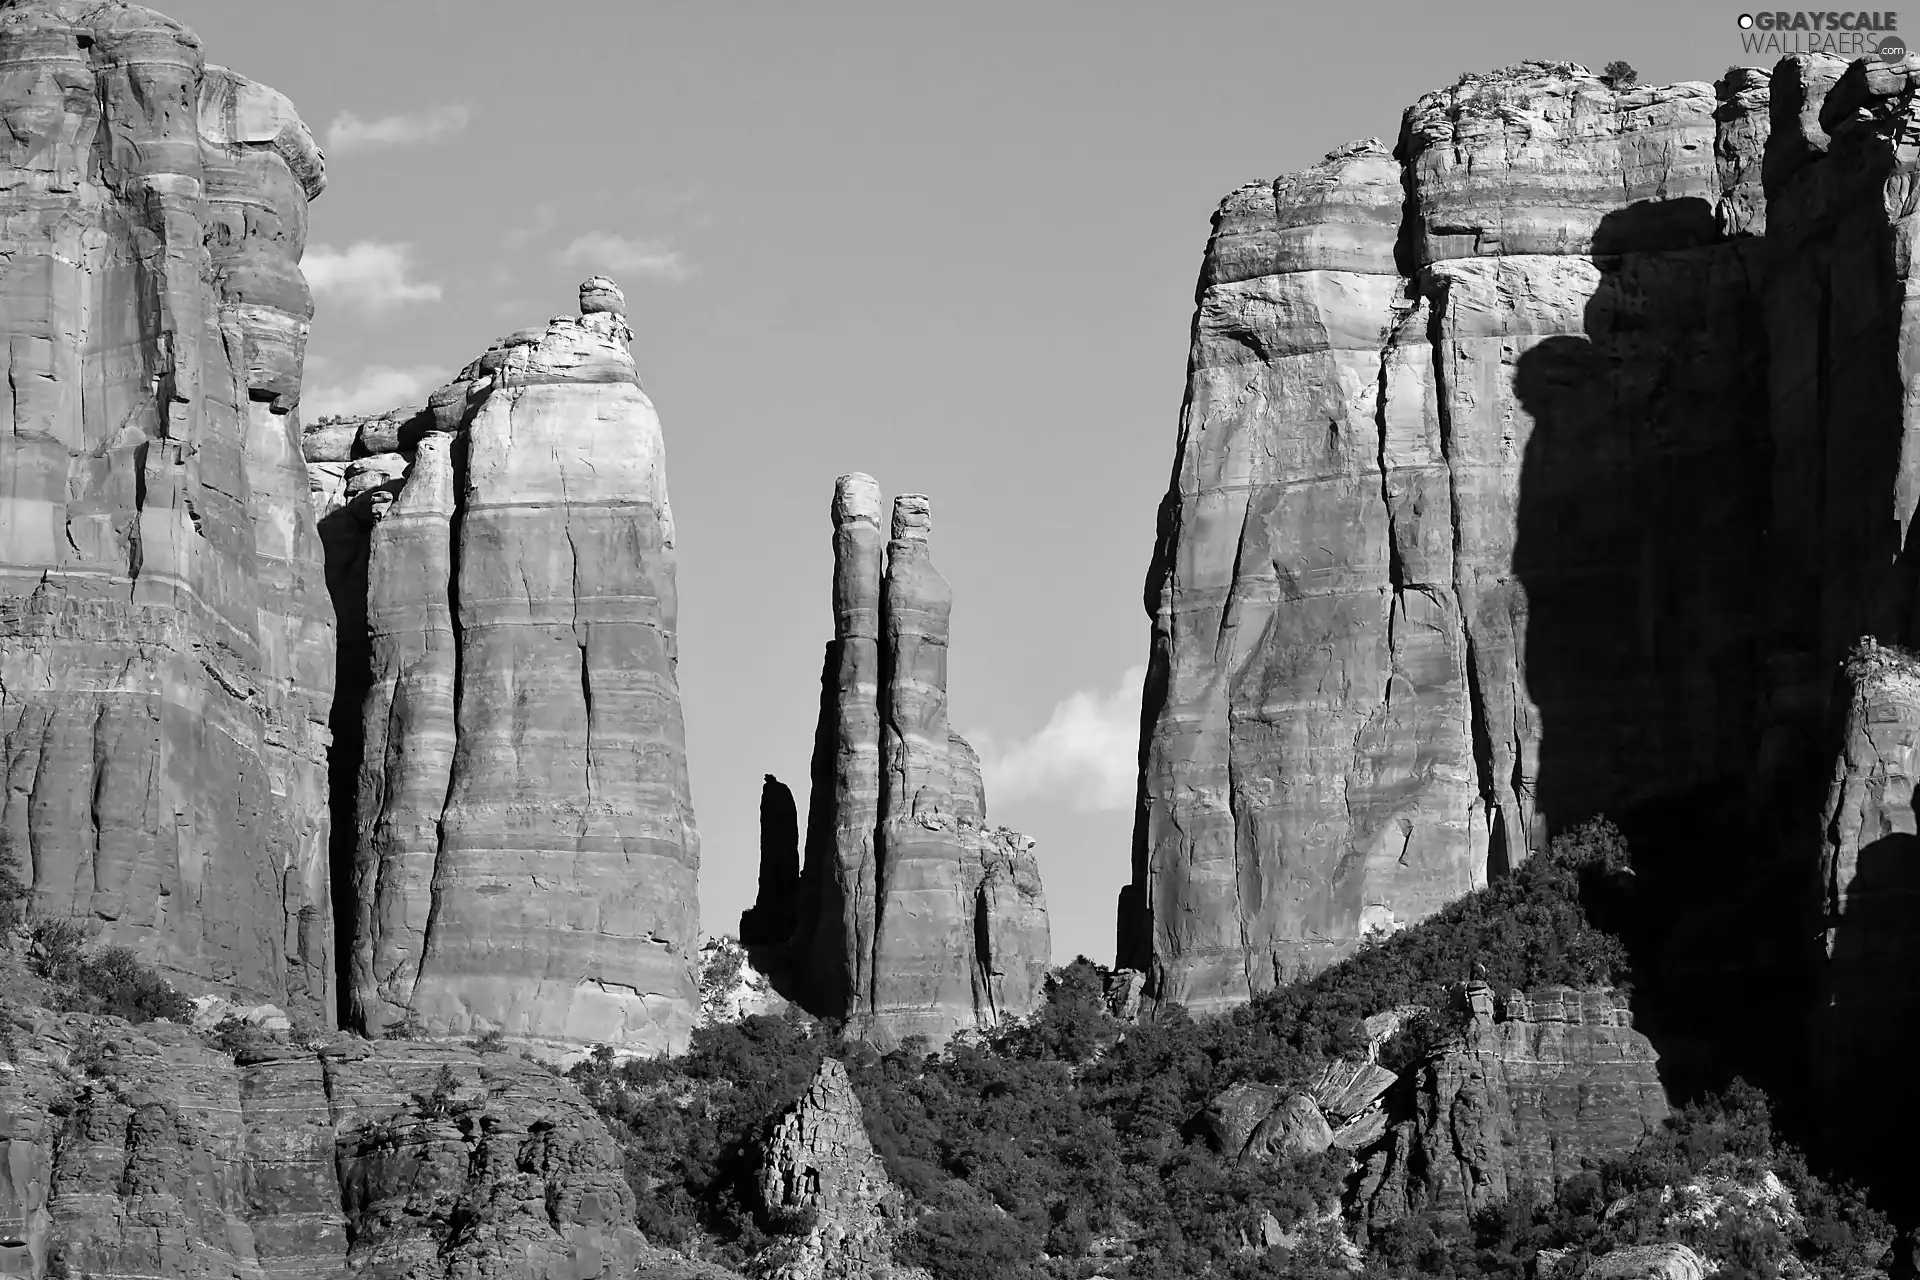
[1251, 1121]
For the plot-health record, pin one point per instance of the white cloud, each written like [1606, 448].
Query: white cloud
[374, 389]
[1087, 753]
[621, 255]
[349, 132]
[368, 275]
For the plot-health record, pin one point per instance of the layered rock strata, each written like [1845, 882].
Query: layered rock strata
[914, 916]
[165, 637]
[1534, 1085]
[142, 1153]
[1465, 539]
[523, 854]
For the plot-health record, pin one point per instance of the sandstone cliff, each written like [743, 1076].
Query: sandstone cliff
[522, 855]
[913, 915]
[131, 1152]
[165, 639]
[1533, 1087]
[1465, 535]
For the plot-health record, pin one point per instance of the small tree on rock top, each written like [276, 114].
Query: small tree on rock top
[1620, 75]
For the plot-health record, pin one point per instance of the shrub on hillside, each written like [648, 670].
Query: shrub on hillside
[110, 981]
[691, 1128]
[1020, 1154]
[13, 897]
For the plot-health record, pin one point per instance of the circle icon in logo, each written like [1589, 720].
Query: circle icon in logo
[1746, 22]
[1892, 49]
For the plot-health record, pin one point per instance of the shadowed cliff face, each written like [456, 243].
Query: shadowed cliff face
[1546, 468]
[1640, 563]
[1866, 1022]
[1467, 451]
[165, 637]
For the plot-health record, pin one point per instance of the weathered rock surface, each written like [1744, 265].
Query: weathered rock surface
[913, 916]
[1555, 1076]
[140, 1152]
[165, 641]
[820, 1162]
[731, 988]
[1868, 1015]
[524, 855]
[1466, 539]
[1251, 1121]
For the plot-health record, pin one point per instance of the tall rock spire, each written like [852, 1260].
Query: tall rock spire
[913, 917]
[525, 858]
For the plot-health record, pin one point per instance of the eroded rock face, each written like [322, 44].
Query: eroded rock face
[1533, 1087]
[165, 637]
[913, 916]
[1464, 541]
[1869, 1006]
[141, 1152]
[524, 855]
[821, 1163]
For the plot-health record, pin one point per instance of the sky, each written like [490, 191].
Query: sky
[952, 246]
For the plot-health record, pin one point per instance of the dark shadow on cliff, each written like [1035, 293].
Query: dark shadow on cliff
[345, 537]
[1869, 1024]
[1645, 486]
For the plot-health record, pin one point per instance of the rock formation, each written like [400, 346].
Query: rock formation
[1480, 524]
[165, 639]
[523, 855]
[1513, 1107]
[914, 917]
[140, 1152]
[1868, 1014]
[820, 1164]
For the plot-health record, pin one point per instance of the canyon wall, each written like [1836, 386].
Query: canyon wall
[913, 915]
[1465, 536]
[165, 637]
[517, 834]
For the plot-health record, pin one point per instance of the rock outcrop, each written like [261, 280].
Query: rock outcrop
[523, 856]
[165, 638]
[1495, 508]
[821, 1166]
[141, 1152]
[1868, 1014]
[1512, 1108]
[914, 916]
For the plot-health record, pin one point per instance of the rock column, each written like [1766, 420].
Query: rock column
[525, 856]
[914, 918]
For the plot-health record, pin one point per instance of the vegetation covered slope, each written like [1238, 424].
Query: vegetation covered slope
[1065, 1146]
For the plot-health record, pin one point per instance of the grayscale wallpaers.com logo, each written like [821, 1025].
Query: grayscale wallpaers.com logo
[1852, 34]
